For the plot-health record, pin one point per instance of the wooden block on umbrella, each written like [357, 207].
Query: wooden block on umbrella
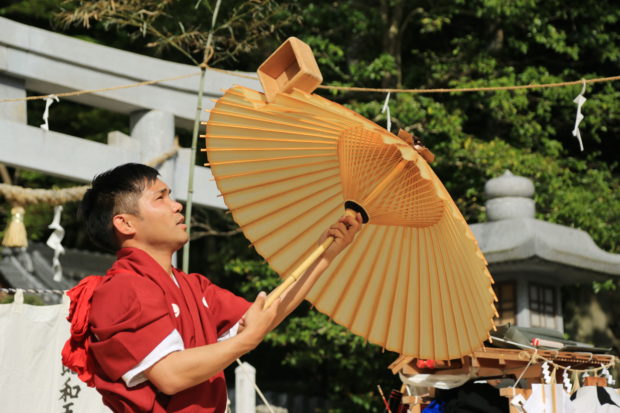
[421, 149]
[291, 66]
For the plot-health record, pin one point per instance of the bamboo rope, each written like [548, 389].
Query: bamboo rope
[18, 195]
[330, 87]
[105, 89]
[23, 196]
[474, 89]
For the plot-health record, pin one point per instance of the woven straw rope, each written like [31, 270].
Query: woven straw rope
[18, 195]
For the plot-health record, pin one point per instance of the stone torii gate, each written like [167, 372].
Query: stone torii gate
[45, 62]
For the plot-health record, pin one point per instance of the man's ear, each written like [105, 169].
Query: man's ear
[123, 223]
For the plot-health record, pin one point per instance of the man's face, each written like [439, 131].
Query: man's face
[160, 222]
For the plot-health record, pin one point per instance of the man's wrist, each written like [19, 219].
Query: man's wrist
[248, 340]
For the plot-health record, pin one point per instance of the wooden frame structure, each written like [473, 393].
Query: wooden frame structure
[495, 363]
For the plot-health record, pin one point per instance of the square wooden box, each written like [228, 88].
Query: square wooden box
[291, 66]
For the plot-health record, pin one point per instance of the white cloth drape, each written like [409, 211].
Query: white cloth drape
[32, 377]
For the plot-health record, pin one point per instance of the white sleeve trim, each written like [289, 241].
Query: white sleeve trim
[173, 342]
[230, 333]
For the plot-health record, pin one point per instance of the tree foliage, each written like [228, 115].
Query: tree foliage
[451, 44]
[184, 26]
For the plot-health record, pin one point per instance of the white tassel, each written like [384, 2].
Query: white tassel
[54, 242]
[48, 102]
[579, 100]
[605, 373]
[568, 386]
[386, 108]
[545, 372]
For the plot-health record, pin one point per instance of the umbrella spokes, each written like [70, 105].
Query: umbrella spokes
[393, 191]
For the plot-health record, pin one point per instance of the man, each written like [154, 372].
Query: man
[149, 337]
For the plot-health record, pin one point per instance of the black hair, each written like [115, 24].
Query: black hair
[113, 192]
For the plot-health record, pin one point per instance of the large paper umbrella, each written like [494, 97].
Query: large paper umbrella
[414, 281]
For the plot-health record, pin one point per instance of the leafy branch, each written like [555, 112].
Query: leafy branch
[179, 24]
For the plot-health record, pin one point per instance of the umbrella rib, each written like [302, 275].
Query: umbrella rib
[351, 114]
[288, 178]
[474, 269]
[465, 281]
[282, 207]
[364, 289]
[475, 314]
[266, 129]
[441, 293]
[420, 311]
[336, 270]
[245, 138]
[266, 119]
[308, 250]
[280, 158]
[397, 272]
[354, 276]
[258, 240]
[258, 172]
[320, 148]
[409, 273]
[327, 118]
[454, 295]
[375, 303]
[466, 313]
[430, 287]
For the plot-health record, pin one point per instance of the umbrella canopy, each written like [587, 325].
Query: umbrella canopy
[414, 281]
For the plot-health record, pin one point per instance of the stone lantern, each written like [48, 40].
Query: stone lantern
[531, 259]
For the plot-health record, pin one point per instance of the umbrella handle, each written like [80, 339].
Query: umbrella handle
[291, 279]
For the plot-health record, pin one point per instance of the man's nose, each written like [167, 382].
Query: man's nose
[178, 207]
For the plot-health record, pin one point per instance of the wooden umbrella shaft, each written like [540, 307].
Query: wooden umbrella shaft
[291, 279]
[295, 275]
[303, 267]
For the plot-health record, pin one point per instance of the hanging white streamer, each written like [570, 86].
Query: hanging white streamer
[48, 102]
[568, 386]
[54, 242]
[605, 373]
[386, 108]
[545, 372]
[579, 100]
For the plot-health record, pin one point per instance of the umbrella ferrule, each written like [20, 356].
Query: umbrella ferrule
[357, 208]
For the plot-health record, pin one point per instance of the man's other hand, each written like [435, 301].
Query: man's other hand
[344, 232]
[257, 321]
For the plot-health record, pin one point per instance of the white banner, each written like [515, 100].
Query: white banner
[32, 377]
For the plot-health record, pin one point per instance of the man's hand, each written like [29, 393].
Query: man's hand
[257, 322]
[344, 232]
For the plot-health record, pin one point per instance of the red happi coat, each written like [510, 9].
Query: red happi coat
[133, 309]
